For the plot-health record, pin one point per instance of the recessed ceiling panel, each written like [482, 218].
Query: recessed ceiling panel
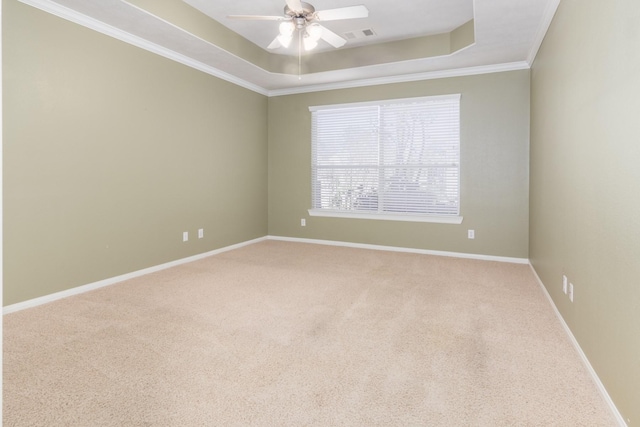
[505, 35]
[392, 20]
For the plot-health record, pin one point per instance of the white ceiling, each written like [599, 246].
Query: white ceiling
[507, 36]
[388, 20]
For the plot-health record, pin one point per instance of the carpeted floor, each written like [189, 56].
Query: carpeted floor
[290, 334]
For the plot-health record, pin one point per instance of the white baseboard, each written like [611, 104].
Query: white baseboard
[91, 286]
[594, 376]
[400, 249]
[110, 281]
[113, 280]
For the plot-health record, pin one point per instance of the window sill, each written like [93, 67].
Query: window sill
[387, 216]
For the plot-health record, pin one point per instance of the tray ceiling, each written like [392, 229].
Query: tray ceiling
[412, 39]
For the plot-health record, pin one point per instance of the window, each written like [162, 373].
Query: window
[397, 160]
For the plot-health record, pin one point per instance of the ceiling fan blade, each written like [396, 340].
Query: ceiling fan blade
[350, 12]
[332, 38]
[274, 44]
[256, 18]
[294, 5]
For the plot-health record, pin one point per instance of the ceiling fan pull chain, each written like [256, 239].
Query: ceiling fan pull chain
[299, 55]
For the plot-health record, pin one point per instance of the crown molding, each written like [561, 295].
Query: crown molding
[459, 72]
[547, 18]
[101, 27]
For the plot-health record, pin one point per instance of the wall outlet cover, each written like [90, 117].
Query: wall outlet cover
[571, 292]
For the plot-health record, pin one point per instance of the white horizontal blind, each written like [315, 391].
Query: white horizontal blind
[397, 157]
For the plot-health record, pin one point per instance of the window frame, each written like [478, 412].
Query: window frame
[389, 216]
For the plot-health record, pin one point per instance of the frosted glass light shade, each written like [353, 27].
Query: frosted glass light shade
[309, 43]
[287, 28]
[314, 31]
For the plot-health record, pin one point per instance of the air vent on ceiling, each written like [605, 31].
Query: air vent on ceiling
[359, 34]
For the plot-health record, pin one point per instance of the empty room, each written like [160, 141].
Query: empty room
[349, 213]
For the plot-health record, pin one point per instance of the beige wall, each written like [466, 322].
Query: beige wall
[494, 168]
[111, 152]
[585, 183]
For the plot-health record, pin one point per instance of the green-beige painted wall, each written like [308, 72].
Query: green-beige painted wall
[111, 152]
[585, 175]
[494, 110]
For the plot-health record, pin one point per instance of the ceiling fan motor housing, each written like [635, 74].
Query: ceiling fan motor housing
[307, 12]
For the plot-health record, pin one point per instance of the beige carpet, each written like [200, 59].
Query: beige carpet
[288, 334]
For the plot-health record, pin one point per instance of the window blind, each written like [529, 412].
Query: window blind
[394, 157]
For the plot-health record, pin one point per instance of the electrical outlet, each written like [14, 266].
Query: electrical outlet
[571, 292]
[303, 222]
[200, 233]
[565, 281]
[471, 234]
[185, 236]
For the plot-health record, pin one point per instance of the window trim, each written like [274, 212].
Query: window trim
[385, 101]
[449, 219]
[389, 216]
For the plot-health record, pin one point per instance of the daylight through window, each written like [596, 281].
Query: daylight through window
[397, 159]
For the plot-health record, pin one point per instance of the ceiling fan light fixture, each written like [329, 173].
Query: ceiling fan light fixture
[314, 31]
[287, 28]
[309, 43]
[300, 17]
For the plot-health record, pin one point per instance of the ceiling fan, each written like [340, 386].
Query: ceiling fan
[303, 17]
